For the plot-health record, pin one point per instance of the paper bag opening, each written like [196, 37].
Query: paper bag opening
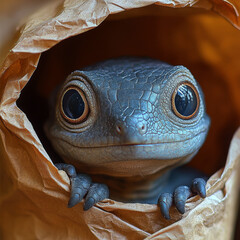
[191, 40]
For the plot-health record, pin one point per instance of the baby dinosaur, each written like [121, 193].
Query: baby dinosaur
[128, 122]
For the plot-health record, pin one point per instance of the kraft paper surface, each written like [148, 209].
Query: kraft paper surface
[34, 194]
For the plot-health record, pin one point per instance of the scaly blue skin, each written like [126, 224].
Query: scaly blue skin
[131, 138]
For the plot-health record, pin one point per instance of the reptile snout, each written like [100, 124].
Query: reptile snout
[139, 128]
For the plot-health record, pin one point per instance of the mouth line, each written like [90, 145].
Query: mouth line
[135, 144]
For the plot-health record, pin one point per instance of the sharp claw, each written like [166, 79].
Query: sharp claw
[96, 193]
[181, 206]
[79, 187]
[181, 194]
[74, 200]
[88, 203]
[199, 187]
[165, 202]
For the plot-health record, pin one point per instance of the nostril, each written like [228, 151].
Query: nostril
[142, 128]
[118, 129]
[127, 130]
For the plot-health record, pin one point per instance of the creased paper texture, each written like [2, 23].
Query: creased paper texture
[34, 195]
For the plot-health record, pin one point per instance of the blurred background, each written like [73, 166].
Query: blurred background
[202, 41]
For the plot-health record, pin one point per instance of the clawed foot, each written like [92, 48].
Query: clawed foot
[180, 196]
[81, 185]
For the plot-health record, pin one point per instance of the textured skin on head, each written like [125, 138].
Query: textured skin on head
[131, 130]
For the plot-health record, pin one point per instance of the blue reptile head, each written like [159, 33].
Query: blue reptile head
[128, 117]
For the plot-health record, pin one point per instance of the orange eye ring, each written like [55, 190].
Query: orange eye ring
[174, 107]
[78, 117]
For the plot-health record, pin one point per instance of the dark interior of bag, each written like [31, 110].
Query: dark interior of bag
[170, 35]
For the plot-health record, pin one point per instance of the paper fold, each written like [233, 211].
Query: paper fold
[34, 195]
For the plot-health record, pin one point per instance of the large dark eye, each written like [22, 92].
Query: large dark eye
[74, 105]
[185, 101]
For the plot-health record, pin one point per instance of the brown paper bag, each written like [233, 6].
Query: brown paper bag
[34, 195]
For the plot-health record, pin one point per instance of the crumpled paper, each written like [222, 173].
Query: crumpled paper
[34, 195]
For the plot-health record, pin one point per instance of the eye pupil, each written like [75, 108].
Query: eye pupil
[73, 104]
[186, 101]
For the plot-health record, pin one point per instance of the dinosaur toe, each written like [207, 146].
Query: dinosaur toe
[96, 193]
